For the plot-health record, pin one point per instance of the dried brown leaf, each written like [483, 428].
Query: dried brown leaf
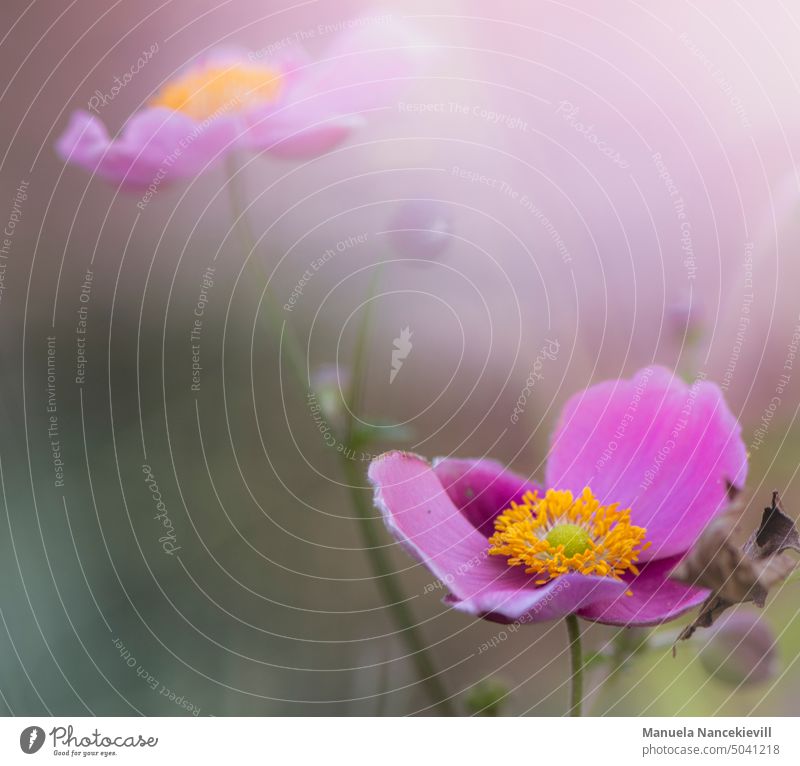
[735, 575]
[776, 533]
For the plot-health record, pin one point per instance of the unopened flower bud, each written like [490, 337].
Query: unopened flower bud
[486, 698]
[685, 319]
[422, 229]
[739, 649]
[330, 384]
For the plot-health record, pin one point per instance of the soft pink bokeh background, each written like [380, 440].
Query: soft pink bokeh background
[712, 88]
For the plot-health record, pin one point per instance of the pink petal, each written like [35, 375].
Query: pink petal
[655, 598]
[481, 489]
[84, 141]
[420, 514]
[365, 68]
[297, 132]
[565, 595]
[653, 444]
[156, 146]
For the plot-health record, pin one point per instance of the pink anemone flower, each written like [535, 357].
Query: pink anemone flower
[286, 105]
[636, 470]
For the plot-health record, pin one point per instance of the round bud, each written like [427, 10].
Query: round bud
[739, 649]
[486, 697]
[421, 229]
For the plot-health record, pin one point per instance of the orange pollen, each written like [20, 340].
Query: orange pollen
[559, 533]
[215, 90]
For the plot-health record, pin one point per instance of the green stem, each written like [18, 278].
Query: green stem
[359, 362]
[615, 661]
[391, 593]
[576, 665]
[629, 644]
[387, 582]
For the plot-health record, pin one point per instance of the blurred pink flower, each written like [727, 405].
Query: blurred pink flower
[231, 99]
[664, 452]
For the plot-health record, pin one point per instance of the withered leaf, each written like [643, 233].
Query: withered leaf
[716, 562]
[776, 533]
[735, 575]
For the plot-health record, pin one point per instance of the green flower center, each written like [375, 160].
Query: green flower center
[575, 539]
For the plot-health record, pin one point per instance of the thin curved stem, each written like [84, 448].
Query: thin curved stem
[610, 680]
[387, 582]
[576, 665]
[360, 362]
[391, 593]
[628, 645]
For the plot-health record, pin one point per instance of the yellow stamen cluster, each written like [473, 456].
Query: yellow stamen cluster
[214, 90]
[559, 533]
